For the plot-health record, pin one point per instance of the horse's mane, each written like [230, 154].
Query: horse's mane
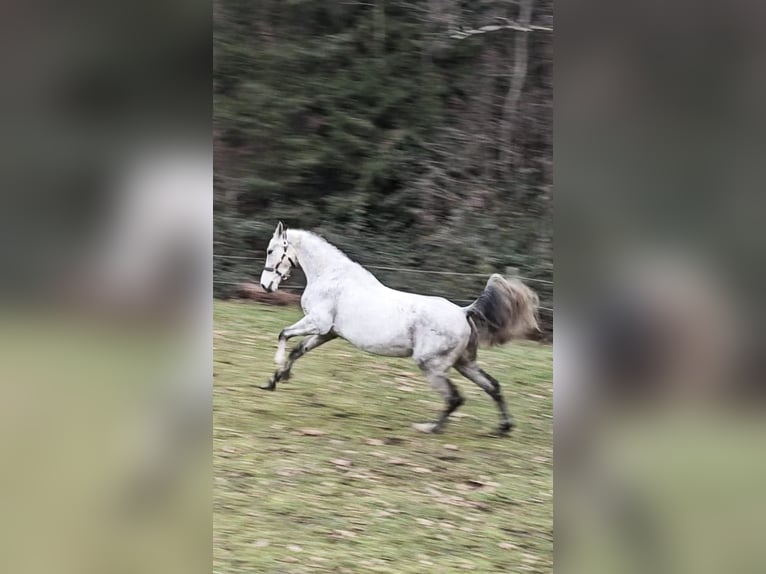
[318, 242]
[304, 234]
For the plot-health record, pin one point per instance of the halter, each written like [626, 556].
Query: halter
[276, 270]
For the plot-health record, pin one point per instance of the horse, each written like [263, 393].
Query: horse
[343, 299]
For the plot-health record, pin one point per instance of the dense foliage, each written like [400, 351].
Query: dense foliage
[413, 133]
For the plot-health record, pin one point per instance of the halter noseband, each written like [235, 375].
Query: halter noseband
[276, 270]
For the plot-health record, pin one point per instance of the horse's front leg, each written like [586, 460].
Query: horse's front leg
[309, 343]
[305, 326]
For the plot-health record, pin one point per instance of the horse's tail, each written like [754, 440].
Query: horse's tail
[506, 309]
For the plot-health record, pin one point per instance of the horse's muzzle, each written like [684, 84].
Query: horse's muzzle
[266, 288]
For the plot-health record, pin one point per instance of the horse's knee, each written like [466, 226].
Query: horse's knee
[436, 364]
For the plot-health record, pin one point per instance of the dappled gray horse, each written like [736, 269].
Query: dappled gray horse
[343, 299]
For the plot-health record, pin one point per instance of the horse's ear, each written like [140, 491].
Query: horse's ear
[280, 230]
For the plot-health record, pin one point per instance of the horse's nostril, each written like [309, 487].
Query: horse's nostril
[264, 288]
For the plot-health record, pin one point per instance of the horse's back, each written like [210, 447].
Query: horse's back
[385, 321]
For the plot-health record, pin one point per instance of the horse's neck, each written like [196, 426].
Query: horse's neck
[316, 257]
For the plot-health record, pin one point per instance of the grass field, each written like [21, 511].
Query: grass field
[326, 474]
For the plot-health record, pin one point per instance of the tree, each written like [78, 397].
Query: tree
[410, 133]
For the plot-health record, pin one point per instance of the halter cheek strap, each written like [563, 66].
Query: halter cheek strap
[276, 270]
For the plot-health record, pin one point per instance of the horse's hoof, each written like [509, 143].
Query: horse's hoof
[505, 429]
[280, 377]
[430, 428]
[270, 386]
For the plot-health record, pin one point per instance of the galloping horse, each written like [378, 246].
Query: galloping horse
[343, 299]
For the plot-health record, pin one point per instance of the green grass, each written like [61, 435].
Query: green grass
[365, 492]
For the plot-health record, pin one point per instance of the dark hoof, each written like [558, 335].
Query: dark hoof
[280, 377]
[270, 386]
[505, 429]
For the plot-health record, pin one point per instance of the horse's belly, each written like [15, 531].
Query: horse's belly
[380, 337]
[387, 350]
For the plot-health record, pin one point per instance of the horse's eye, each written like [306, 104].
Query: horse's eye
[269, 252]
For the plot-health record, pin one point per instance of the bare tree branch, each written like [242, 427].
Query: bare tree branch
[518, 78]
[460, 34]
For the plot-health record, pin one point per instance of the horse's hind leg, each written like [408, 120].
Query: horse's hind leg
[435, 373]
[490, 385]
[283, 373]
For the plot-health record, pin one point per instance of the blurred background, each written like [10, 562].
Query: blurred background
[105, 290]
[659, 379]
[414, 135]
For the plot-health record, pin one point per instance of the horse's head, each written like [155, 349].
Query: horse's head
[281, 258]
